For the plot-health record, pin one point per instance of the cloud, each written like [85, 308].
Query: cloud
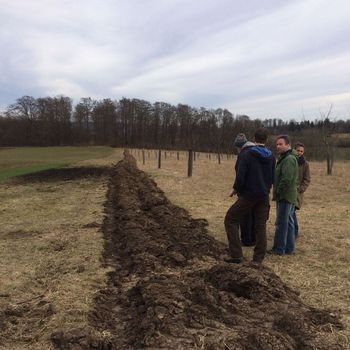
[270, 59]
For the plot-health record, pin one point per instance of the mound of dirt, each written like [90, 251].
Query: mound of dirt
[64, 174]
[170, 289]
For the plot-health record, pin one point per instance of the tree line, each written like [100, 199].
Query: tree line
[54, 121]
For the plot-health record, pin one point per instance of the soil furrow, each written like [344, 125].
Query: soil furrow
[169, 288]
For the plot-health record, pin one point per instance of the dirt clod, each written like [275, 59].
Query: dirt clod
[79, 339]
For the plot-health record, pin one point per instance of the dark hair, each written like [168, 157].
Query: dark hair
[286, 139]
[298, 144]
[261, 135]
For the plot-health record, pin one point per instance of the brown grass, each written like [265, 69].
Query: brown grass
[321, 268]
[51, 245]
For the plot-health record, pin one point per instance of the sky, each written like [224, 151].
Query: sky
[263, 58]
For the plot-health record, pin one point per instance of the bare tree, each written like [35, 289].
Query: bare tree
[104, 118]
[82, 117]
[26, 109]
[327, 140]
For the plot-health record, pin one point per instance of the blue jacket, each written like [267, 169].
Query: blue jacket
[255, 172]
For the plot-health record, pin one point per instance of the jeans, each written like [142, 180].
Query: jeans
[296, 225]
[235, 214]
[284, 235]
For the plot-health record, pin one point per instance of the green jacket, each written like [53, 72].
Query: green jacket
[286, 178]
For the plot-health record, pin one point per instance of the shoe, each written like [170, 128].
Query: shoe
[273, 252]
[233, 260]
[290, 253]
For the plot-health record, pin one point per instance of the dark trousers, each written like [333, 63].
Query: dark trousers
[246, 225]
[235, 214]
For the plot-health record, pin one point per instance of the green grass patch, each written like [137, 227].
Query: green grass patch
[25, 160]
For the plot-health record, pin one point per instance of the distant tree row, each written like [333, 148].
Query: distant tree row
[52, 121]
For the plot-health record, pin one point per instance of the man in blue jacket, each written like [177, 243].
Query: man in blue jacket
[255, 168]
[246, 225]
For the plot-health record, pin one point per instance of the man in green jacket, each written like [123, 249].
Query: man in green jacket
[285, 195]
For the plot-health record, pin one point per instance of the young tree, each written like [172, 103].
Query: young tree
[328, 142]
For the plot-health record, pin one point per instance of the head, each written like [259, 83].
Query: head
[300, 148]
[283, 143]
[261, 136]
[240, 140]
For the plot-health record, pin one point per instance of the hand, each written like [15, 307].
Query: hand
[233, 193]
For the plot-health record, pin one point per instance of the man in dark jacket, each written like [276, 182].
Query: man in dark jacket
[246, 225]
[254, 177]
[303, 182]
[285, 195]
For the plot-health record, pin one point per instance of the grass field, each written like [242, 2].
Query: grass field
[24, 160]
[51, 243]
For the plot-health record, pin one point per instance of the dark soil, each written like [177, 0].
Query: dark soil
[64, 174]
[170, 289]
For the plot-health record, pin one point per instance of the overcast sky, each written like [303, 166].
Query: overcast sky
[265, 58]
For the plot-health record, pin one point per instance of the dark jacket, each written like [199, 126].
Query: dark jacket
[286, 183]
[304, 180]
[255, 168]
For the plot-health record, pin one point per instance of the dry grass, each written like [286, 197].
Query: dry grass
[321, 268]
[51, 245]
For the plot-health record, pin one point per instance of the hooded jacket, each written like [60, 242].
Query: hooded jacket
[286, 176]
[255, 168]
